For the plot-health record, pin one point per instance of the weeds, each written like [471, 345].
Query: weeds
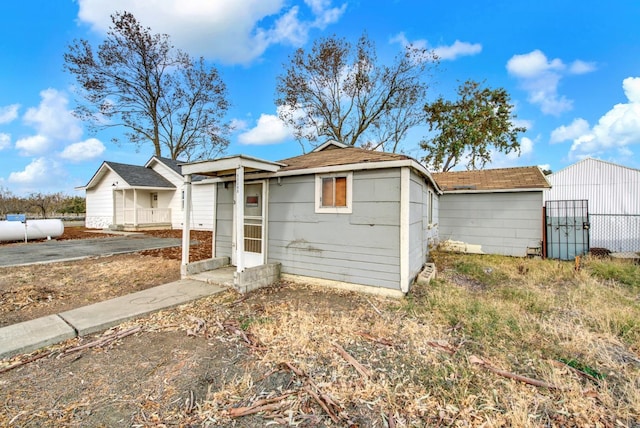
[617, 271]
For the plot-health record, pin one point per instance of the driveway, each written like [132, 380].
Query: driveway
[57, 251]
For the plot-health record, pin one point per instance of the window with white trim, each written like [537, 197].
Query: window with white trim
[334, 193]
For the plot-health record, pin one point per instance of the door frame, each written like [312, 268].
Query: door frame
[265, 203]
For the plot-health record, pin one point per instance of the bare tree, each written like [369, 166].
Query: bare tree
[46, 203]
[339, 91]
[480, 120]
[161, 95]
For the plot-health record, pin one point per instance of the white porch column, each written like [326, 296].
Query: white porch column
[186, 224]
[215, 221]
[124, 206]
[239, 198]
[135, 207]
[114, 221]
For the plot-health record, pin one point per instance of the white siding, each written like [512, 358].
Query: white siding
[501, 223]
[99, 202]
[171, 198]
[202, 209]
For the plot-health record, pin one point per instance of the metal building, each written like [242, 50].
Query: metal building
[613, 195]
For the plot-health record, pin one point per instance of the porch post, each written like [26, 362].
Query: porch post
[114, 196]
[135, 207]
[239, 197]
[215, 221]
[186, 225]
[124, 206]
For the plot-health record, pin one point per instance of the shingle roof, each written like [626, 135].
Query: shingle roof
[528, 177]
[171, 163]
[335, 157]
[139, 175]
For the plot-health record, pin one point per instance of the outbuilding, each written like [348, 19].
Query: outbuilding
[610, 194]
[492, 211]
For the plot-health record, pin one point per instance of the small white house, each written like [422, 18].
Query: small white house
[133, 197]
[612, 193]
[492, 211]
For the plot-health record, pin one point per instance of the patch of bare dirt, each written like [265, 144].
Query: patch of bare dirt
[28, 292]
[297, 355]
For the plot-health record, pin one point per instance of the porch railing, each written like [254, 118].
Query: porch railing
[147, 215]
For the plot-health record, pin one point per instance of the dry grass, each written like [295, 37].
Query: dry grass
[308, 356]
[538, 319]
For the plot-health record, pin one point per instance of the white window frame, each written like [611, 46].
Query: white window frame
[334, 210]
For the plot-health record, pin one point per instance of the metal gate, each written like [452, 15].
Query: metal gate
[567, 229]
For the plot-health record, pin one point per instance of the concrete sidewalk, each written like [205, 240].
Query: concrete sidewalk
[31, 335]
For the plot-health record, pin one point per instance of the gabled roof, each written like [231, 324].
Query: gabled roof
[133, 176]
[332, 157]
[521, 178]
[139, 176]
[590, 161]
[170, 163]
[335, 157]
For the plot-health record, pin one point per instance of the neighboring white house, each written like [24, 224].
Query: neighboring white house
[492, 211]
[134, 197]
[613, 195]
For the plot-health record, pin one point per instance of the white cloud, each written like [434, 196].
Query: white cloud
[565, 133]
[5, 141]
[9, 113]
[533, 64]
[616, 130]
[631, 87]
[237, 125]
[84, 150]
[581, 67]
[236, 31]
[41, 173]
[51, 118]
[522, 123]
[269, 130]
[540, 77]
[34, 145]
[456, 50]
[526, 146]
[545, 167]
[443, 52]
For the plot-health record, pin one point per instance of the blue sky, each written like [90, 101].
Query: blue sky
[572, 69]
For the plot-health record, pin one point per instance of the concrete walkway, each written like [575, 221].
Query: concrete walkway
[31, 335]
[75, 249]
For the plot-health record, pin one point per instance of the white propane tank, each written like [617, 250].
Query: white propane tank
[32, 229]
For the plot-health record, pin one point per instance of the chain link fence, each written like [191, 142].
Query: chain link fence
[618, 233]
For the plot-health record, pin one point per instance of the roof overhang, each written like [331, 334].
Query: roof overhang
[468, 191]
[228, 165]
[363, 166]
[102, 170]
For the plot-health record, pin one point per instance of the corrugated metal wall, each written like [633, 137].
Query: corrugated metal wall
[609, 188]
[613, 192]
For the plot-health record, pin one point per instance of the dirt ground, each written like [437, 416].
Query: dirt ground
[28, 292]
[299, 355]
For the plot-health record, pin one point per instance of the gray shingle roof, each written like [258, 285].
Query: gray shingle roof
[171, 163]
[139, 175]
